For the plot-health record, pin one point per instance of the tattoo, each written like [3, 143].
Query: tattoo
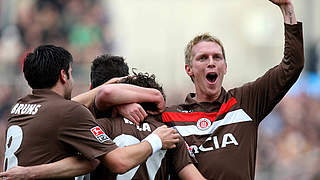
[290, 16]
[289, 12]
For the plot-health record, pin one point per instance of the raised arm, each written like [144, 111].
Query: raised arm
[287, 10]
[65, 168]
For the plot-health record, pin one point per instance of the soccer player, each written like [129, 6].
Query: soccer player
[46, 126]
[221, 126]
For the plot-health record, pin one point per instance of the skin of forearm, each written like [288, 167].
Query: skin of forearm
[116, 94]
[88, 97]
[288, 13]
[190, 172]
[123, 159]
[68, 167]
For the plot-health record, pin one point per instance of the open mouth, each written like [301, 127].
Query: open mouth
[212, 77]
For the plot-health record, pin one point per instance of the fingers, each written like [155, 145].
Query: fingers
[169, 136]
[134, 112]
[134, 118]
[153, 112]
[3, 174]
[143, 112]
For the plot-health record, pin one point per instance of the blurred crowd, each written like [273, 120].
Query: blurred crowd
[288, 145]
[81, 26]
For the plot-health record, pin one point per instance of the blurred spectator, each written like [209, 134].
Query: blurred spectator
[291, 152]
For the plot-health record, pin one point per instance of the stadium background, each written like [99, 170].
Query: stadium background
[152, 36]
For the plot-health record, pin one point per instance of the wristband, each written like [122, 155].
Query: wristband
[154, 141]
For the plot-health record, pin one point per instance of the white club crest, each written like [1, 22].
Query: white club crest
[203, 123]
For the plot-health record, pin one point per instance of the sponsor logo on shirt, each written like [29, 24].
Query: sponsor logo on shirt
[99, 134]
[142, 127]
[212, 143]
[203, 124]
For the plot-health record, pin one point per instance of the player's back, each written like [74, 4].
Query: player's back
[34, 126]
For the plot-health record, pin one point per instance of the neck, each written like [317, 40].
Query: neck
[206, 97]
[58, 89]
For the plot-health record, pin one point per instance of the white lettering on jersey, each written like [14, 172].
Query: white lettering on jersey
[153, 163]
[15, 134]
[36, 109]
[14, 108]
[31, 108]
[145, 126]
[25, 109]
[226, 140]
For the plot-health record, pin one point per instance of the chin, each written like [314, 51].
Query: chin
[212, 92]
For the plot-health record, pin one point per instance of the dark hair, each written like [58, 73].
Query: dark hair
[42, 66]
[147, 81]
[106, 67]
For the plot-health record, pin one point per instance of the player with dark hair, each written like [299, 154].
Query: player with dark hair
[42, 67]
[106, 67]
[45, 126]
[221, 126]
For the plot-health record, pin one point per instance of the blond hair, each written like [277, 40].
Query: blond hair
[196, 40]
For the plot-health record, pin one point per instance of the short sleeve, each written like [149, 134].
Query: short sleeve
[180, 156]
[82, 133]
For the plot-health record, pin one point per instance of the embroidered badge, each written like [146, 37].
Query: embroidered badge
[203, 124]
[99, 134]
[189, 150]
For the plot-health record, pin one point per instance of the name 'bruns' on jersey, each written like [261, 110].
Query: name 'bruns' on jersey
[25, 109]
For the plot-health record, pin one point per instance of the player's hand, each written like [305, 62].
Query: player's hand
[169, 136]
[16, 173]
[133, 111]
[161, 105]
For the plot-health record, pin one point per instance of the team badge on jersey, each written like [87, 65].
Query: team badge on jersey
[203, 124]
[99, 134]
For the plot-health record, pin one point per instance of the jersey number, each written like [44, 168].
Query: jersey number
[13, 142]
[153, 163]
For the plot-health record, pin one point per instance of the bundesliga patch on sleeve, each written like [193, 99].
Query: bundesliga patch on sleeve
[99, 134]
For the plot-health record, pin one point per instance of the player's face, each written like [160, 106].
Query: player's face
[69, 85]
[207, 69]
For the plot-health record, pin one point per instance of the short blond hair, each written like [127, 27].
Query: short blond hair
[196, 40]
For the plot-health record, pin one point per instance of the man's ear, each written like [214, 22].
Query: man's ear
[188, 69]
[63, 76]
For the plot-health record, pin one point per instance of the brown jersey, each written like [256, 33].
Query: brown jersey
[43, 127]
[124, 133]
[223, 134]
